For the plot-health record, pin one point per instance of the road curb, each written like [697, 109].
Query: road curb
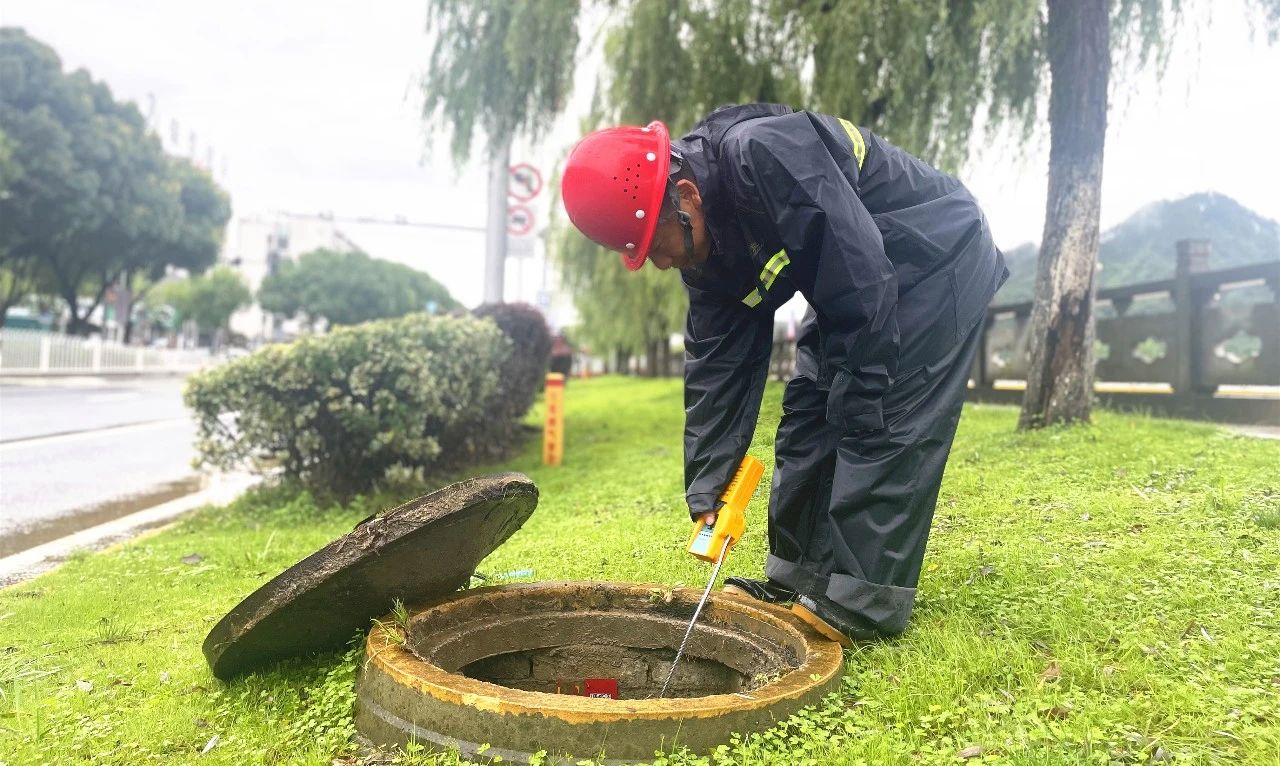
[32, 562]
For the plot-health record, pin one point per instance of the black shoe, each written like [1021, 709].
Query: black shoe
[767, 591]
[833, 621]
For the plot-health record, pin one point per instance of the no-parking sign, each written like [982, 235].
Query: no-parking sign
[525, 182]
[519, 220]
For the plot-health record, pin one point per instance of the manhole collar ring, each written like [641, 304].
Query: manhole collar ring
[824, 659]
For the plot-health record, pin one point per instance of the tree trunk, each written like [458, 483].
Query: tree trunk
[1060, 372]
[131, 299]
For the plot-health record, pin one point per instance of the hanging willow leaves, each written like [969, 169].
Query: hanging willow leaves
[498, 68]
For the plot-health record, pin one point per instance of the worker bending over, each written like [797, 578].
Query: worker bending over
[897, 264]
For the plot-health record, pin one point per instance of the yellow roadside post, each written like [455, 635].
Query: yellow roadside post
[553, 429]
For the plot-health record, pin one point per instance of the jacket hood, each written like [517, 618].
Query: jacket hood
[700, 148]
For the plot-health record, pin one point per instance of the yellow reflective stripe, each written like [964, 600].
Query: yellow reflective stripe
[768, 274]
[773, 268]
[859, 146]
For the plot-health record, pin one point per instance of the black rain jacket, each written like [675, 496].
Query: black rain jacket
[894, 256]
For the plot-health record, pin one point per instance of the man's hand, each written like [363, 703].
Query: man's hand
[709, 518]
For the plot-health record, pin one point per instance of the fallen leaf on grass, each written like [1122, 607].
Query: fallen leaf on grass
[164, 678]
[192, 559]
[1095, 544]
[84, 686]
[201, 723]
[972, 751]
[1051, 673]
[211, 744]
[1196, 629]
[1058, 712]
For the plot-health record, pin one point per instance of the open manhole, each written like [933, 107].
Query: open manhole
[510, 667]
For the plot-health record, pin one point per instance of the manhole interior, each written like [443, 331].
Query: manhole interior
[554, 641]
[639, 673]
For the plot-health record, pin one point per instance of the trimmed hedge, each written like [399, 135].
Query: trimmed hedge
[337, 411]
[525, 370]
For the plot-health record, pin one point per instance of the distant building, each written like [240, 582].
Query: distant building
[256, 245]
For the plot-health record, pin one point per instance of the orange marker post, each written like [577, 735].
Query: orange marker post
[553, 429]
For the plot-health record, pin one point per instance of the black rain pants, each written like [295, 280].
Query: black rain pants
[849, 513]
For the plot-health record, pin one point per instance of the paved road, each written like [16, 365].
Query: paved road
[78, 452]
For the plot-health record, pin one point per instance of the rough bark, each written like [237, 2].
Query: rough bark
[1060, 373]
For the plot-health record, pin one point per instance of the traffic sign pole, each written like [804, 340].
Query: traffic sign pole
[495, 254]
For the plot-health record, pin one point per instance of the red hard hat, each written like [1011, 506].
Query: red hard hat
[613, 186]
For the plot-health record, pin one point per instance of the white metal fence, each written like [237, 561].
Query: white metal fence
[35, 352]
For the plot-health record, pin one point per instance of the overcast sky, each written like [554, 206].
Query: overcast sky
[312, 106]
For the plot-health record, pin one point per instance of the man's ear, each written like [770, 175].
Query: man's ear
[689, 192]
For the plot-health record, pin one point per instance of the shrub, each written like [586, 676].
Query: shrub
[526, 368]
[338, 411]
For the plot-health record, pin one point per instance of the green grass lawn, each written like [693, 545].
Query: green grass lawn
[1104, 594]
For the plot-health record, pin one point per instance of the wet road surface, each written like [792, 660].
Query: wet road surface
[78, 452]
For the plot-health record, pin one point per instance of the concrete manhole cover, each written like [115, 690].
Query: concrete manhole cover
[418, 551]
[508, 667]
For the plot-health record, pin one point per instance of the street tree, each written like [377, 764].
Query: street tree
[96, 202]
[346, 288]
[139, 216]
[50, 192]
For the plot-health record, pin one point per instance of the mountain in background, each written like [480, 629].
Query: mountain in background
[1142, 249]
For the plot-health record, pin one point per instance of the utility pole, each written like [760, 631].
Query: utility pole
[495, 255]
